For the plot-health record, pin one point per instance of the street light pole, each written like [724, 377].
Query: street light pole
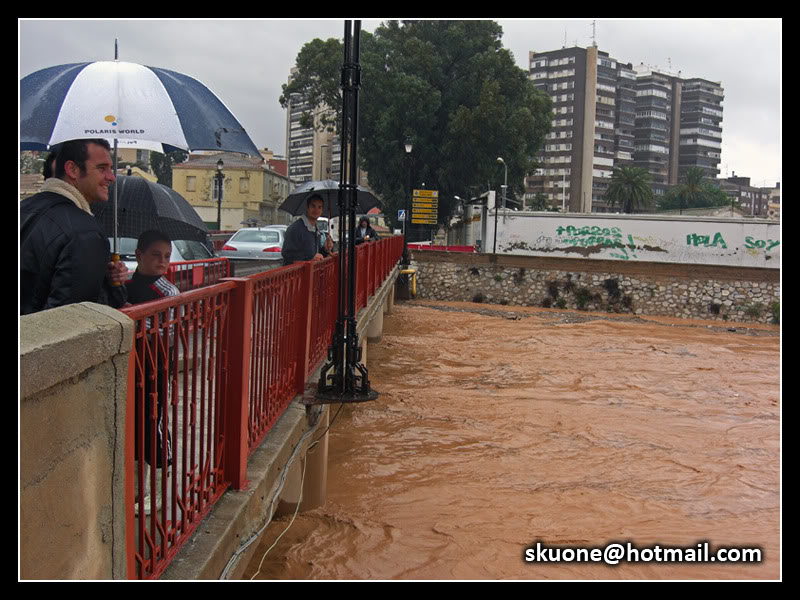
[409, 146]
[220, 183]
[505, 180]
[500, 160]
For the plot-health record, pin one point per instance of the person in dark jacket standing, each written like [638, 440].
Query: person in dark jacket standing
[64, 254]
[365, 232]
[302, 238]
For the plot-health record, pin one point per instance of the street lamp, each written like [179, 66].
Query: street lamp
[408, 146]
[505, 186]
[220, 177]
[505, 181]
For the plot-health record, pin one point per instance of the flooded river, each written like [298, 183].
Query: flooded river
[498, 427]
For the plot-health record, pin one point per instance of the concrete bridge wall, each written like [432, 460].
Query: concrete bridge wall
[73, 382]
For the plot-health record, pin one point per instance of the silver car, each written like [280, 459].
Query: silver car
[255, 243]
[182, 250]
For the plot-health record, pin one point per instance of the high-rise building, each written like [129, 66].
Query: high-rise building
[608, 114]
[701, 129]
[312, 154]
[594, 101]
[658, 111]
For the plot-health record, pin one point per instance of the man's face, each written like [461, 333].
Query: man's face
[154, 260]
[93, 184]
[314, 210]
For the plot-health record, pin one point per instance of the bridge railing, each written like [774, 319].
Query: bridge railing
[211, 372]
[192, 274]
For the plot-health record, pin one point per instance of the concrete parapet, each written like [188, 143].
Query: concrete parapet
[73, 381]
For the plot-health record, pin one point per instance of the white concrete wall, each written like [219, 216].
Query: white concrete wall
[694, 240]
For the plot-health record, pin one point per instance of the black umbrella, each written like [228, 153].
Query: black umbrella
[145, 205]
[295, 203]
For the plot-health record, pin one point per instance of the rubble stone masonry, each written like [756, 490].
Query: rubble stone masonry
[737, 294]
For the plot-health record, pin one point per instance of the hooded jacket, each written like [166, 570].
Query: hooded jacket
[64, 254]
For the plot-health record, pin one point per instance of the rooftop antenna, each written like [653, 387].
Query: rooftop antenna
[565, 37]
[594, 40]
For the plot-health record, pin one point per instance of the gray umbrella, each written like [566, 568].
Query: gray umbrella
[145, 205]
[295, 203]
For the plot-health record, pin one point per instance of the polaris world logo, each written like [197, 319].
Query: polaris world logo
[113, 121]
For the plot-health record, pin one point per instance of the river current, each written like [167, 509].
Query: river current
[499, 427]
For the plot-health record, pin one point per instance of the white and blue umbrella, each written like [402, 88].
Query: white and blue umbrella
[140, 106]
[130, 104]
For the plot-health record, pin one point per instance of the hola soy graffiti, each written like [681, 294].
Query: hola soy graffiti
[694, 239]
[767, 245]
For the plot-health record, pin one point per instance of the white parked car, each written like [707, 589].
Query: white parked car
[255, 243]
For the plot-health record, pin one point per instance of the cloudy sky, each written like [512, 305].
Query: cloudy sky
[246, 62]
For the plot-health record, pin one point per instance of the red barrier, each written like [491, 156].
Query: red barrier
[193, 274]
[211, 372]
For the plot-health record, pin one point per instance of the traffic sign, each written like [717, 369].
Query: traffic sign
[426, 194]
[418, 212]
[424, 221]
[424, 204]
[401, 215]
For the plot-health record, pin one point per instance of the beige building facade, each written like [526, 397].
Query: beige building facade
[252, 191]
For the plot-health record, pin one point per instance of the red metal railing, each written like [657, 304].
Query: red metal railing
[211, 372]
[193, 274]
[178, 368]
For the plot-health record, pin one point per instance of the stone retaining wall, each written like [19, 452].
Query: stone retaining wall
[688, 291]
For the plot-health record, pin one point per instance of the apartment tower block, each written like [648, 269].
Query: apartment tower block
[608, 114]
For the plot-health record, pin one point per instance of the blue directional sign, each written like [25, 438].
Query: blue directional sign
[401, 215]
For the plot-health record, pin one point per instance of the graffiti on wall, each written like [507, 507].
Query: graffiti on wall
[767, 245]
[667, 240]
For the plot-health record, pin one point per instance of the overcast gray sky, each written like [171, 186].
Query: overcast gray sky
[246, 62]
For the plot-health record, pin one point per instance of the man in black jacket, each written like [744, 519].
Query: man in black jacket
[302, 238]
[64, 254]
[365, 232]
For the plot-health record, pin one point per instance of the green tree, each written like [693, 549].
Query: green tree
[630, 188]
[448, 85]
[694, 191]
[540, 201]
[162, 165]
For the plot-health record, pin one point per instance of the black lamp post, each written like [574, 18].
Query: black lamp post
[220, 177]
[407, 223]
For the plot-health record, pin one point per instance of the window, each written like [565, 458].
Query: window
[191, 183]
[244, 185]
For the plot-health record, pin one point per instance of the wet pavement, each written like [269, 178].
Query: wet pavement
[498, 427]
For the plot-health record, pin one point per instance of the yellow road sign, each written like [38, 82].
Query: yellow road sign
[425, 221]
[424, 211]
[426, 194]
[432, 205]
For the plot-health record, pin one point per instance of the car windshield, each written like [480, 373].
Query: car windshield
[186, 249]
[263, 237]
[191, 250]
[127, 246]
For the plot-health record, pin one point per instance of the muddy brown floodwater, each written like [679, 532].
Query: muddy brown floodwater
[497, 427]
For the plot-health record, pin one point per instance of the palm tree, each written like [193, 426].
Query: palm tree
[694, 192]
[630, 187]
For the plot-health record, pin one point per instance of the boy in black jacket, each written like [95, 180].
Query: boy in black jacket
[148, 283]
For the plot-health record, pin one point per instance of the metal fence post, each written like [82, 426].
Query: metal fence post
[237, 401]
[305, 302]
